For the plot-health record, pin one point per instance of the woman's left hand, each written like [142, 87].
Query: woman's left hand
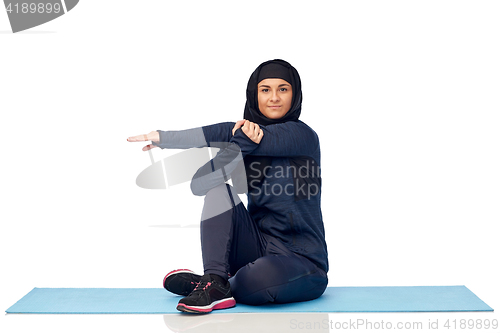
[252, 130]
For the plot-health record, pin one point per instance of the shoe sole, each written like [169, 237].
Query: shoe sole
[176, 273]
[217, 305]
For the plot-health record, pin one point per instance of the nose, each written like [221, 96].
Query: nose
[275, 97]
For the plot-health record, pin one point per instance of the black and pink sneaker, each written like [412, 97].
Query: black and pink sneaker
[210, 294]
[181, 281]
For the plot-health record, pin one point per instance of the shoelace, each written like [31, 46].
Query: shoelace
[201, 286]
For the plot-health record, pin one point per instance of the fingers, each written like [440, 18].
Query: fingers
[238, 124]
[248, 127]
[151, 136]
[154, 136]
[148, 147]
[260, 135]
[253, 131]
[251, 127]
[137, 138]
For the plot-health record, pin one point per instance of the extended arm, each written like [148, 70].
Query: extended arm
[228, 161]
[195, 137]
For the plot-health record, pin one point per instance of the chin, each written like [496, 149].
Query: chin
[274, 116]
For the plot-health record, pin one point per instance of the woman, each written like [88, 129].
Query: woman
[274, 250]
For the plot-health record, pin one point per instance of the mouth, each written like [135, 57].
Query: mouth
[274, 107]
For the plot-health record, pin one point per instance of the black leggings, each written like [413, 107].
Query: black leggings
[262, 269]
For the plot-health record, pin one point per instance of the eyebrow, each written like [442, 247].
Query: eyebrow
[281, 85]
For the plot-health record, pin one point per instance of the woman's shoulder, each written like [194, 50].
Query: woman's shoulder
[295, 124]
[306, 129]
[304, 125]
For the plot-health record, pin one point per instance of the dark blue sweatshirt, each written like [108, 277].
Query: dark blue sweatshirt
[286, 204]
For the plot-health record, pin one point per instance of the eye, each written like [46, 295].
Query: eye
[265, 90]
[283, 89]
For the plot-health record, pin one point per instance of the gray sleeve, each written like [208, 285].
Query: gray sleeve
[190, 138]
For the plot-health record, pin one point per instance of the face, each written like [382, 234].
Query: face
[275, 97]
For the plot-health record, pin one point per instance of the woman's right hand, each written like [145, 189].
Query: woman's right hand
[151, 136]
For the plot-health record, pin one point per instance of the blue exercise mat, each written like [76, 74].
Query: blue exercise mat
[335, 299]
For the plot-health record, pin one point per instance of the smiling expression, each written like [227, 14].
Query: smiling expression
[275, 97]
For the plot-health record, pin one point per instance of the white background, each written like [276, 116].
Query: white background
[404, 96]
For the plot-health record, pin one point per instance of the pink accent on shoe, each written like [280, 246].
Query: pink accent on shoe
[225, 305]
[176, 272]
[194, 309]
[222, 304]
